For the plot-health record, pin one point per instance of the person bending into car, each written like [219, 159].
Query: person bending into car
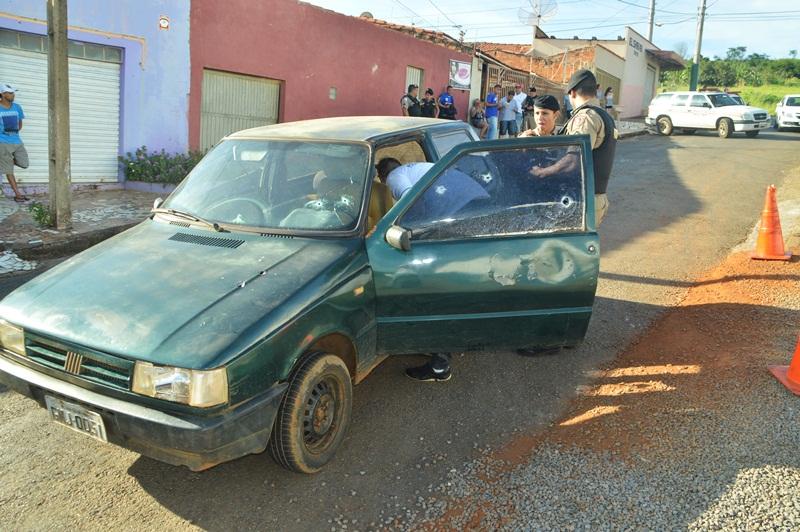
[400, 178]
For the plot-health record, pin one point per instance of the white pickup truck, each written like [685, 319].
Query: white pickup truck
[692, 110]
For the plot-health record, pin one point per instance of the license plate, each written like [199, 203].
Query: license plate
[76, 417]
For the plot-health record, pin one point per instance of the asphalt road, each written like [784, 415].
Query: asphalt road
[678, 204]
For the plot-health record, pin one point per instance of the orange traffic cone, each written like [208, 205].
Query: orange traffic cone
[789, 375]
[769, 245]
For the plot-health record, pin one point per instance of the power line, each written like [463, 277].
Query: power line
[444, 14]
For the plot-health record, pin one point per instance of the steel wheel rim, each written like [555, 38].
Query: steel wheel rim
[322, 414]
[662, 125]
[723, 128]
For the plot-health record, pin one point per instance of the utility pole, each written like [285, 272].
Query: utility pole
[701, 15]
[652, 18]
[58, 113]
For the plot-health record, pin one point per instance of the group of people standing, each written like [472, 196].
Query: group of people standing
[429, 106]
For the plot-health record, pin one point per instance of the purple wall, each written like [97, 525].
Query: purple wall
[155, 70]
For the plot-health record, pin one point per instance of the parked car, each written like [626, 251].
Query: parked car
[787, 112]
[692, 110]
[241, 312]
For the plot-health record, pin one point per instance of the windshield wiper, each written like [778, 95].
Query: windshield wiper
[189, 216]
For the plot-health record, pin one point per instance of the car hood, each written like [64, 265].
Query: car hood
[175, 297]
[750, 109]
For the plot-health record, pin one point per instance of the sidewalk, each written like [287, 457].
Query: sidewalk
[96, 215]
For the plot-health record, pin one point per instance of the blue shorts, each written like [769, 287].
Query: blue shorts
[508, 127]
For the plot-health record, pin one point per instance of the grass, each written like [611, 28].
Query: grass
[766, 96]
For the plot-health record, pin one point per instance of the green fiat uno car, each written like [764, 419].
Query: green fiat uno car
[238, 316]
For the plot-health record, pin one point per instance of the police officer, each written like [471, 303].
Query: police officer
[409, 103]
[588, 118]
[544, 114]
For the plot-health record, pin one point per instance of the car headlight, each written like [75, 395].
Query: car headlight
[188, 386]
[12, 338]
[748, 116]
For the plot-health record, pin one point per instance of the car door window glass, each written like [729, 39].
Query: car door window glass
[680, 99]
[493, 193]
[698, 100]
[444, 142]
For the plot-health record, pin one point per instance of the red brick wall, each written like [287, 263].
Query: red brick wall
[552, 68]
[310, 50]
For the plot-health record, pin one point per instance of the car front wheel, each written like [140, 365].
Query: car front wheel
[313, 415]
[725, 128]
[664, 125]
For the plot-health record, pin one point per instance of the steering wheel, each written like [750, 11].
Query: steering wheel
[260, 207]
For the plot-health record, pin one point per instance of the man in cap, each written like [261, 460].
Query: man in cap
[545, 113]
[588, 118]
[409, 103]
[527, 108]
[12, 151]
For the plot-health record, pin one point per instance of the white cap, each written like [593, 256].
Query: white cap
[5, 87]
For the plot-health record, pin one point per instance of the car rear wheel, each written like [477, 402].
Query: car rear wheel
[313, 415]
[751, 134]
[664, 125]
[725, 128]
[689, 131]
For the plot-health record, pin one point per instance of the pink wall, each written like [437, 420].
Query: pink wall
[310, 50]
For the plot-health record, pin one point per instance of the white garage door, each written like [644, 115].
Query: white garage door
[94, 114]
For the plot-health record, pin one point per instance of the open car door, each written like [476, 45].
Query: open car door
[480, 254]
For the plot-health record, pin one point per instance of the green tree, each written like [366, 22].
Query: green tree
[736, 53]
[793, 54]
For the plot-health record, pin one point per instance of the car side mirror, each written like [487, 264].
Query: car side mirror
[399, 238]
[157, 203]
[707, 105]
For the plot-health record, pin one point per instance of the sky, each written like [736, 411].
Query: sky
[763, 26]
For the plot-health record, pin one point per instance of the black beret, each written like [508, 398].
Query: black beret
[546, 102]
[581, 77]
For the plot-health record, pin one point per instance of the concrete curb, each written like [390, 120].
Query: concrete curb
[68, 246]
[629, 134]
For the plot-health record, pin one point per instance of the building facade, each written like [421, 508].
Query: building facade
[630, 65]
[129, 81]
[288, 60]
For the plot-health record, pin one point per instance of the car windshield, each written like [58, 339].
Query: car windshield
[722, 100]
[294, 185]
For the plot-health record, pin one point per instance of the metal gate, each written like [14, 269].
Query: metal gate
[232, 102]
[94, 115]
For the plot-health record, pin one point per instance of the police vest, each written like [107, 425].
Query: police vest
[429, 108]
[415, 109]
[603, 156]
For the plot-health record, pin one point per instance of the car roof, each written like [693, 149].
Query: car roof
[791, 96]
[346, 128]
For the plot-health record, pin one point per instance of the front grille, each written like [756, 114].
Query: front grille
[760, 116]
[207, 240]
[93, 366]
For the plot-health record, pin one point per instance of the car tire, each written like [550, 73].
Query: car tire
[313, 415]
[725, 128]
[751, 134]
[664, 125]
[689, 131]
